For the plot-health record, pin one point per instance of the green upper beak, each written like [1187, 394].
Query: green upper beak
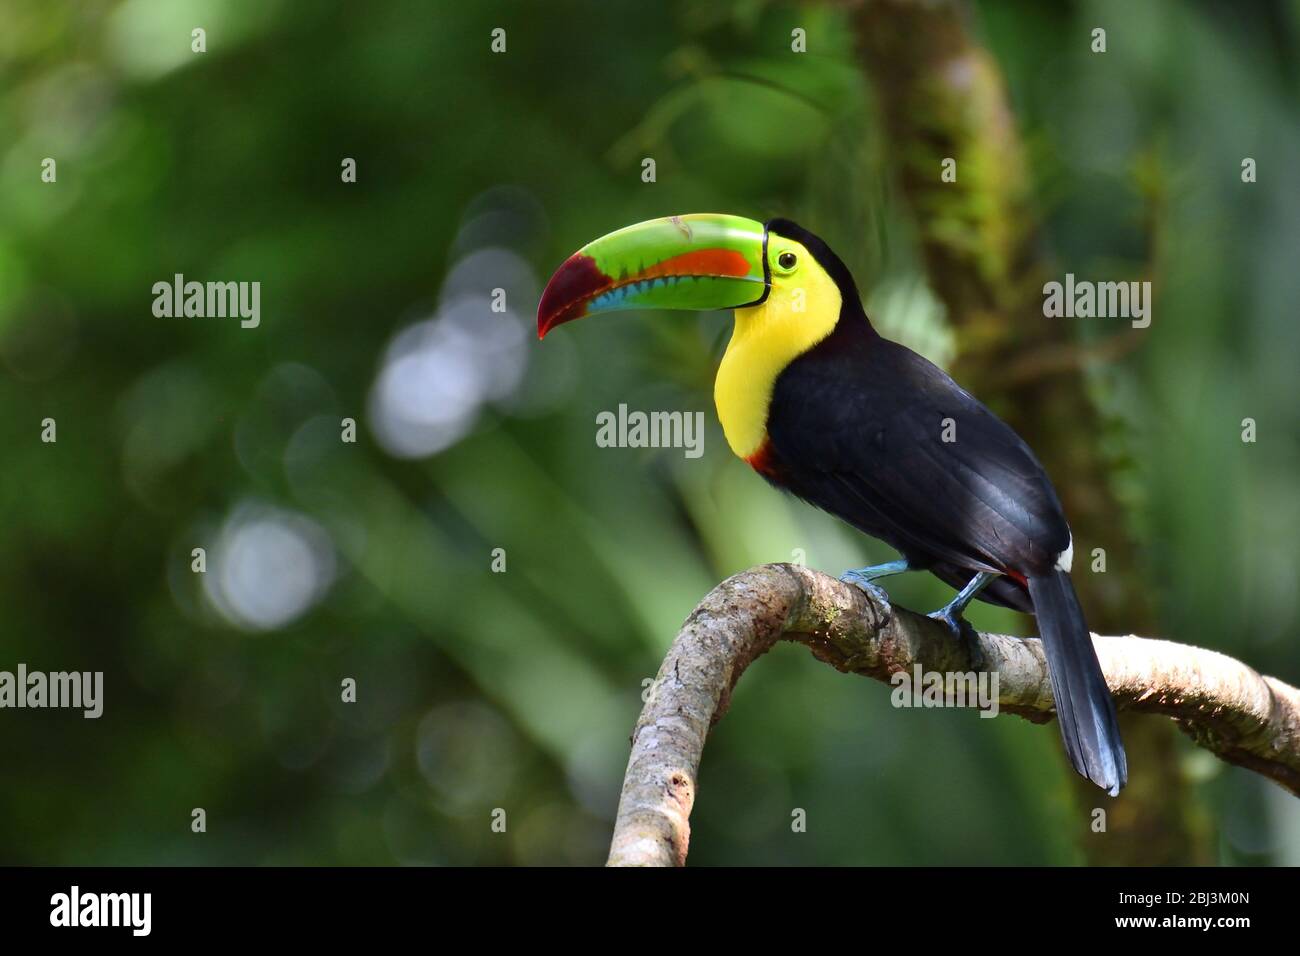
[700, 261]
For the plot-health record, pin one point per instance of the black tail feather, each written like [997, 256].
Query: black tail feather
[1084, 706]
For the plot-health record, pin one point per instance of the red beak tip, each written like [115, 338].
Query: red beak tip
[565, 296]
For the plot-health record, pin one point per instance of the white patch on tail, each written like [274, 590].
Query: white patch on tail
[1066, 557]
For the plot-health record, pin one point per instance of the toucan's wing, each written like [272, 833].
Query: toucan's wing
[888, 442]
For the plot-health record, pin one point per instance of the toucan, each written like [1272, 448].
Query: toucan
[817, 402]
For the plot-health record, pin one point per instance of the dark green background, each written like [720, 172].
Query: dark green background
[518, 690]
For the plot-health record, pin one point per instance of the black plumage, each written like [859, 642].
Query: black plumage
[857, 427]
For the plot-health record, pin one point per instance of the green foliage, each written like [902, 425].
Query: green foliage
[480, 690]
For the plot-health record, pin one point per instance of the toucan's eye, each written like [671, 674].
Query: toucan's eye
[787, 260]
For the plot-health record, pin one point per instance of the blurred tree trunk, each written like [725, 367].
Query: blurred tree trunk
[942, 96]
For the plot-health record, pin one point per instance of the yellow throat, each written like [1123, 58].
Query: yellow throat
[801, 310]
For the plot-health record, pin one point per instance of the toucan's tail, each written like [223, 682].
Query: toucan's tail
[1084, 707]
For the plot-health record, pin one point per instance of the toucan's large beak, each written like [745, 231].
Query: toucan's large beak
[701, 261]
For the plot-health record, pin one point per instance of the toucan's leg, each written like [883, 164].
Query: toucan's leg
[863, 577]
[950, 613]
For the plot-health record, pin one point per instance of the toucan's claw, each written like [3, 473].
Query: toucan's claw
[863, 578]
[961, 629]
[950, 615]
[951, 612]
[862, 583]
[953, 621]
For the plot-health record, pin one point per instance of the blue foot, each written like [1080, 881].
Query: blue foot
[944, 616]
[863, 578]
[864, 584]
[965, 633]
[958, 625]
[950, 615]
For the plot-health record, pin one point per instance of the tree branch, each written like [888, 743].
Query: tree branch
[1222, 704]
